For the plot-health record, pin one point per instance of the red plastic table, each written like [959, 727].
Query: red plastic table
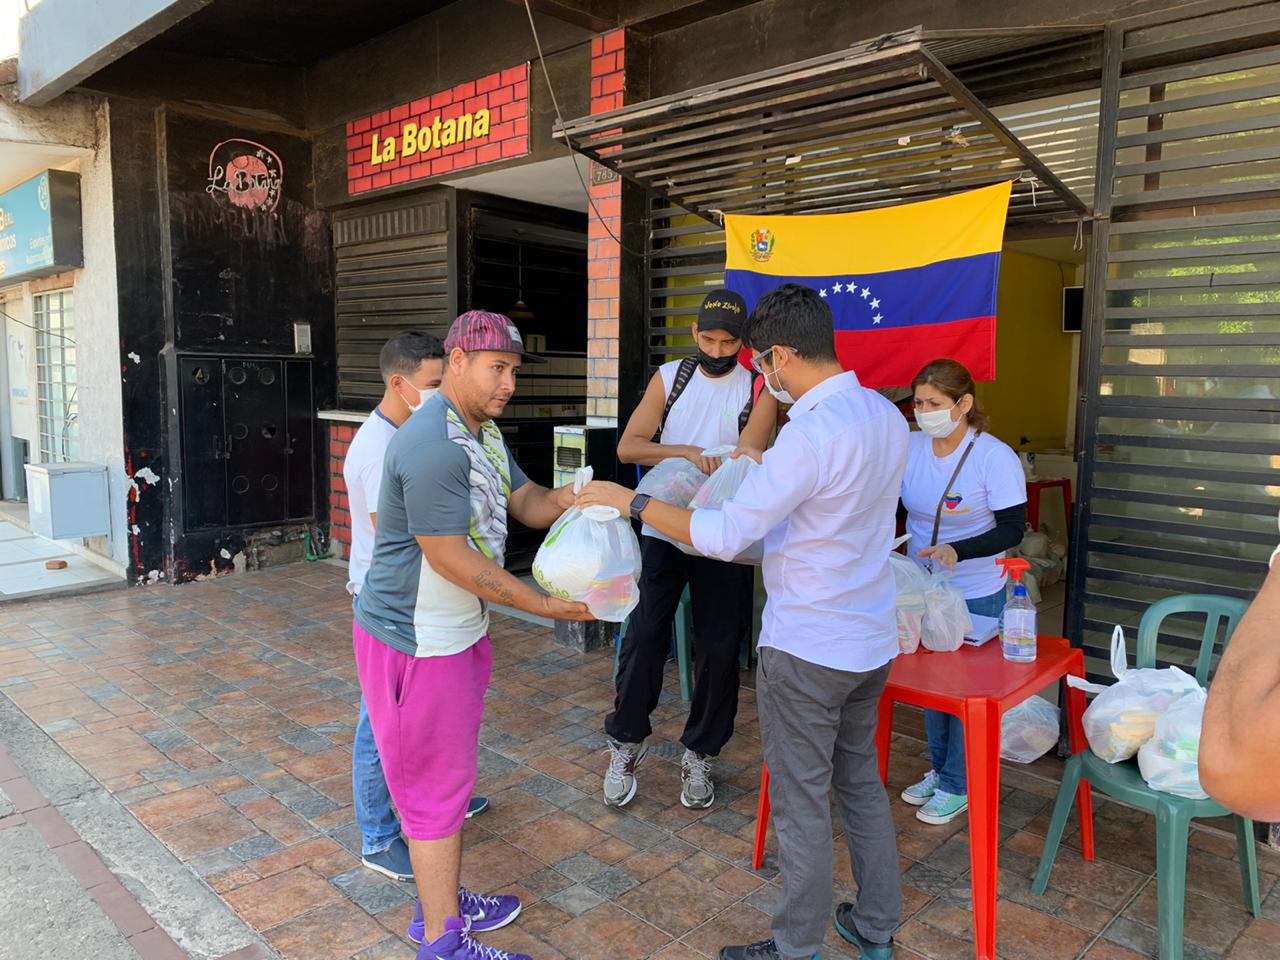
[977, 685]
[1035, 488]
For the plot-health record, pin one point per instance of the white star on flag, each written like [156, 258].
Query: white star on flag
[839, 288]
[875, 304]
[865, 293]
[822, 292]
[876, 319]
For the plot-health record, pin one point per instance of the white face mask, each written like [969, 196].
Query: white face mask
[423, 397]
[937, 423]
[782, 396]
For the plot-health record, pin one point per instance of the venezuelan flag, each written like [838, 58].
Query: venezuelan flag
[905, 284]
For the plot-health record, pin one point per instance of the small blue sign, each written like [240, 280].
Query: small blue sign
[40, 227]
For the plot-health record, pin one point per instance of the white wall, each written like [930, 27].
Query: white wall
[10, 12]
[98, 339]
[73, 134]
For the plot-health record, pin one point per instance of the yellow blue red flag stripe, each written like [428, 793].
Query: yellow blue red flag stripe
[905, 284]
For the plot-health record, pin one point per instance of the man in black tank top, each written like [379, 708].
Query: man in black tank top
[720, 593]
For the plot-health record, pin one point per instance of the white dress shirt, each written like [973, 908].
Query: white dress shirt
[824, 500]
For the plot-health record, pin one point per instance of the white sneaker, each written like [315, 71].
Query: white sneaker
[918, 794]
[697, 789]
[620, 778]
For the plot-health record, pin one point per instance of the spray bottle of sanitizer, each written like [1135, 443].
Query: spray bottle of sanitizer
[1018, 629]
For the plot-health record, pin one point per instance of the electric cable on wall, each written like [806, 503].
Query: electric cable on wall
[555, 103]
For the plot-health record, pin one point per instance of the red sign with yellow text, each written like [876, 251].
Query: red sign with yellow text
[474, 123]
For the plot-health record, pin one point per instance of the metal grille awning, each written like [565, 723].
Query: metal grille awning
[879, 123]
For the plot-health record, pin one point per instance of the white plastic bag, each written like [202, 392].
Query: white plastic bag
[719, 487]
[722, 484]
[1029, 730]
[946, 618]
[1169, 761]
[591, 556]
[1123, 716]
[673, 481]
[910, 579]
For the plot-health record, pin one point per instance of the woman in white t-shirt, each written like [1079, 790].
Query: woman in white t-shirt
[965, 497]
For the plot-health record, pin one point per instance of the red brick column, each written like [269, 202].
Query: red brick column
[340, 437]
[604, 255]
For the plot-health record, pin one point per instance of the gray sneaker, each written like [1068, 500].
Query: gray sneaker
[697, 789]
[620, 778]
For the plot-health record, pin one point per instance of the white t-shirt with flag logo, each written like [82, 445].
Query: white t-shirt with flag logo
[991, 480]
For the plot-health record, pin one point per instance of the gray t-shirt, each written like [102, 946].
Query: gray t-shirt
[439, 479]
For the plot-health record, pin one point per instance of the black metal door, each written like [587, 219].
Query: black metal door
[256, 438]
[204, 495]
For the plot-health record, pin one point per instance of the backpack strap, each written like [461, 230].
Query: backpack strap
[684, 373]
[752, 396]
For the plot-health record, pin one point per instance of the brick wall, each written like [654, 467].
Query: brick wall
[505, 95]
[340, 437]
[608, 75]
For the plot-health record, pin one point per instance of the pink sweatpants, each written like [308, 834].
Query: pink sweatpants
[426, 715]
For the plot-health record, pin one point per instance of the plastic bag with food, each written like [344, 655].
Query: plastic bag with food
[1029, 730]
[591, 556]
[1123, 716]
[720, 487]
[673, 481]
[946, 617]
[910, 579]
[1169, 761]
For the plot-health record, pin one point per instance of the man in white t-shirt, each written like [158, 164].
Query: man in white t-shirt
[691, 406]
[412, 365]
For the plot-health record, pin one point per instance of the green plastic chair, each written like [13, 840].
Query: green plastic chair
[684, 645]
[1124, 782]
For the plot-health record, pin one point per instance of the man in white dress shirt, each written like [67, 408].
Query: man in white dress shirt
[824, 501]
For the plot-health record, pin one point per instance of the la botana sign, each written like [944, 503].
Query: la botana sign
[477, 122]
[40, 227]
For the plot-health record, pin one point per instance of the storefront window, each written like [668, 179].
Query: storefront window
[57, 418]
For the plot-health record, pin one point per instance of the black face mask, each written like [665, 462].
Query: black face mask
[716, 366]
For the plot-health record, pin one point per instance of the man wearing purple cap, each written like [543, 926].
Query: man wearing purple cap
[421, 624]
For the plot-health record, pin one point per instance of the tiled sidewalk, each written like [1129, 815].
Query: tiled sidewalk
[54, 851]
[221, 713]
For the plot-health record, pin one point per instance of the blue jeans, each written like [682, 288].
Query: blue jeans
[379, 826]
[946, 733]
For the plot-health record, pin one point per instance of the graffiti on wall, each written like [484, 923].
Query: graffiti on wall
[249, 175]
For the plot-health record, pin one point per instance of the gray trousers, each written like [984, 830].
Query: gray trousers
[818, 726]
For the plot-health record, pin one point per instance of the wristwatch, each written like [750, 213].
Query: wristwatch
[638, 503]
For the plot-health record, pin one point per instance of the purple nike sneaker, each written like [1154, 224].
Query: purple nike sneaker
[485, 913]
[456, 944]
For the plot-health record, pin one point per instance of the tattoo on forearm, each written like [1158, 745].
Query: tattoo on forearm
[484, 580]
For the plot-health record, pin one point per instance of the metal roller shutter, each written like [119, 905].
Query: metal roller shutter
[393, 274]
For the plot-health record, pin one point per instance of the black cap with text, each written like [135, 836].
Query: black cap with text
[723, 310]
